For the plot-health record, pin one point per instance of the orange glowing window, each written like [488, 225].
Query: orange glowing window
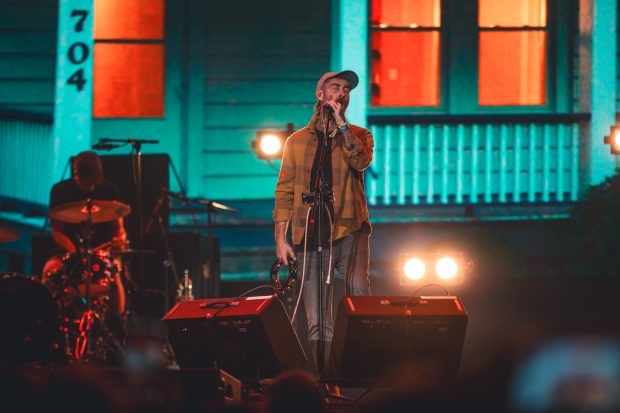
[128, 80]
[512, 52]
[405, 61]
[129, 19]
[512, 13]
[405, 13]
[128, 69]
[512, 68]
[405, 69]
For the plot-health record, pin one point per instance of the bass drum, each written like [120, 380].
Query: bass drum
[29, 323]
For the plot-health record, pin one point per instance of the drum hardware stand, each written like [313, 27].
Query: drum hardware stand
[89, 271]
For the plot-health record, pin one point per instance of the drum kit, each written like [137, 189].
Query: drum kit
[88, 286]
[90, 316]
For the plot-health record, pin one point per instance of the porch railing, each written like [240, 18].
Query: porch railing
[475, 160]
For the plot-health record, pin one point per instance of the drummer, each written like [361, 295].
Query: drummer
[87, 182]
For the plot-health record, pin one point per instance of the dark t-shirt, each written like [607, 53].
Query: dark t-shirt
[68, 191]
[327, 180]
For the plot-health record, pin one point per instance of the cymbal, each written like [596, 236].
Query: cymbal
[8, 234]
[101, 211]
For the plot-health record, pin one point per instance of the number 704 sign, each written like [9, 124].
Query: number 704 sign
[78, 52]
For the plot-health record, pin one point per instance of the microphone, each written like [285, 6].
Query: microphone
[105, 146]
[328, 111]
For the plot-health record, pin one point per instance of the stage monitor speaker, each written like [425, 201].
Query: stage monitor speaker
[379, 338]
[251, 338]
[155, 176]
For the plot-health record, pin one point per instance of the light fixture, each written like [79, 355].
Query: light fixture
[269, 143]
[414, 268]
[444, 268]
[613, 140]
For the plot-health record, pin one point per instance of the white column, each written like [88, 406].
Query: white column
[603, 87]
[350, 51]
[74, 83]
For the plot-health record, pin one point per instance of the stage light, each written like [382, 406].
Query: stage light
[450, 267]
[269, 144]
[414, 268]
[613, 140]
[446, 268]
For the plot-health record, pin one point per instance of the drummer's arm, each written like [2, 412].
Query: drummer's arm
[120, 239]
[60, 238]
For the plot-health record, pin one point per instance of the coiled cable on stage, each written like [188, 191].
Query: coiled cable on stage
[303, 268]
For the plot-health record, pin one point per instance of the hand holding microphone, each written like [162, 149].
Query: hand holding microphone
[333, 110]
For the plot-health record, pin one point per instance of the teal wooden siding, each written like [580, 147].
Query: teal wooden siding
[28, 55]
[262, 61]
[25, 148]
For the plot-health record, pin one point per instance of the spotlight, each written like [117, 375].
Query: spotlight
[449, 268]
[414, 269]
[269, 144]
[613, 139]
[446, 268]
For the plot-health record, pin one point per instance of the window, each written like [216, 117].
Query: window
[512, 45]
[404, 35]
[129, 59]
[460, 56]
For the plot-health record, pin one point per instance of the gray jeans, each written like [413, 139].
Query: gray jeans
[350, 260]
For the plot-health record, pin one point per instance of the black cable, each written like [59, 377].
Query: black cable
[177, 177]
[270, 163]
[226, 304]
[428, 285]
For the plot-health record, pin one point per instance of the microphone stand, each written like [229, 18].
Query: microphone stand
[136, 145]
[319, 203]
[169, 263]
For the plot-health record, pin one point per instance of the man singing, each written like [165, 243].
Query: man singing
[328, 155]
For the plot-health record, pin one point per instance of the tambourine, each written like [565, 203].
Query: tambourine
[290, 281]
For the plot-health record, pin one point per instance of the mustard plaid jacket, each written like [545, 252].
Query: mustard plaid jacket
[350, 208]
